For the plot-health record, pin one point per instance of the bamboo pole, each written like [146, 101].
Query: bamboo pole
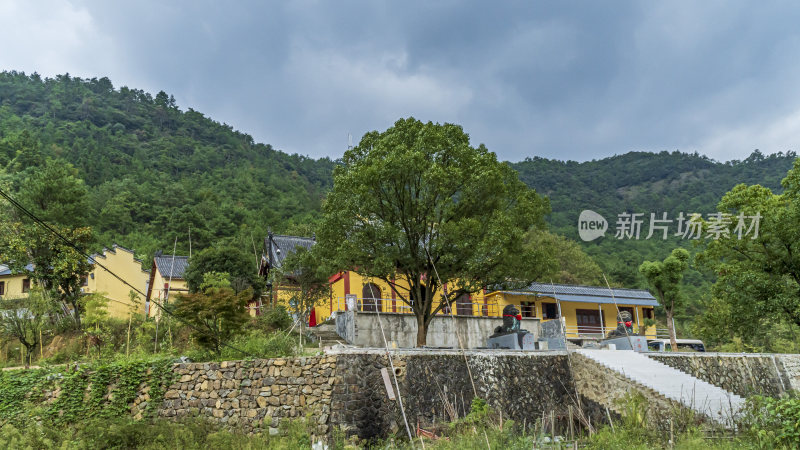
[128, 342]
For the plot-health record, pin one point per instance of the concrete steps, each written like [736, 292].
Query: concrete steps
[326, 335]
[711, 401]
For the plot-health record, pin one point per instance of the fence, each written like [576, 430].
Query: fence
[388, 305]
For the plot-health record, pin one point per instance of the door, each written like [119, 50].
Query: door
[371, 297]
[588, 321]
[463, 305]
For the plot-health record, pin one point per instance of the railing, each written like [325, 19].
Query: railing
[586, 331]
[388, 305]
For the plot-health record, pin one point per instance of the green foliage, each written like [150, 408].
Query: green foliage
[760, 274]
[773, 422]
[56, 195]
[417, 200]
[665, 279]
[152, 171]
[111, 389]
[568, 264]
[216, 314]
[275, 318]
[124, 433]
[27, 319]
[305, 272]
[230, 259]
[258, 344]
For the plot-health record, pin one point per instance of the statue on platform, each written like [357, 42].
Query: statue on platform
[624, 325]
[510, 335]
[511, 321]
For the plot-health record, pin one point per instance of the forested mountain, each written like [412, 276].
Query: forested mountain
[153, 171]
[639, 182]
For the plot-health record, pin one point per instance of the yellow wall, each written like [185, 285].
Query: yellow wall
[13, 285]
[159, 293]
[568, 311]
[122, 262]
[353, 283]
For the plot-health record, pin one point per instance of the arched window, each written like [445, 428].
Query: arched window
[371, 297]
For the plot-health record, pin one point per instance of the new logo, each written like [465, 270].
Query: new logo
[591, 225]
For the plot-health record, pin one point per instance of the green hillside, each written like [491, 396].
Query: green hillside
[154, 171]
[639, 182]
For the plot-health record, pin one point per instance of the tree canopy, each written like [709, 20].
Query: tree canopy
[758, 273]
[418, 204]
[665, 279]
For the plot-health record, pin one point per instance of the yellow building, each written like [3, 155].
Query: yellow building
[588, 311]
[122, 262]
[361, 293]
[351, 291]
[14, 284]
[166, 281]
[119, 260]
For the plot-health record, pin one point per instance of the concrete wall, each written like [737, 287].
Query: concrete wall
[362, 329]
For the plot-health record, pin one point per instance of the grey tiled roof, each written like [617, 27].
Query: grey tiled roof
[594, 291]
[588, 294]
[279, 247]
[4, 270]
[165, 266]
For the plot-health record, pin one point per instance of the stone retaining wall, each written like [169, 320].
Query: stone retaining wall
[346, 389]
[742, 374]
[254, 395]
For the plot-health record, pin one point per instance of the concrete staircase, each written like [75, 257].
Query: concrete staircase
[326, 335]
[711, 401]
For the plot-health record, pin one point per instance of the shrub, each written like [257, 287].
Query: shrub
[275, 318]
[773, 422]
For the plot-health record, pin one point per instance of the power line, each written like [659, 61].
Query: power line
[72, 245]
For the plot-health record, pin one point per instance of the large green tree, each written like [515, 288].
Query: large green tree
[417, 206]
[55, 194]
[215, 312]
[757, 259]
[240, 266]
[26, 319]
[665, 279]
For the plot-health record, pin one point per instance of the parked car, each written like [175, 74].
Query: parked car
[684, 345]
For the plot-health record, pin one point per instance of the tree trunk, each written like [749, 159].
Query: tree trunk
[76, 314]
[422, 332]
[672, 341]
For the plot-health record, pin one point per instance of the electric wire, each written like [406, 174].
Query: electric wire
[72, 245]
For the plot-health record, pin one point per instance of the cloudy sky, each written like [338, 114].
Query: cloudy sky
[567, 79]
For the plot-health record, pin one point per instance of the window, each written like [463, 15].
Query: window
[648, 313]
[630, 310]
[84, 281]
[2, 287]
[26, 285]
[528, 309]
[550, 310]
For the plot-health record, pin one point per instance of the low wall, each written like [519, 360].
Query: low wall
[521, 385]
[345, 388]
[741, 373]
[253, 395]
[362, 329]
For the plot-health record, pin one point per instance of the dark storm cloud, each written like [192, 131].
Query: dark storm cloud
[577, 80]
